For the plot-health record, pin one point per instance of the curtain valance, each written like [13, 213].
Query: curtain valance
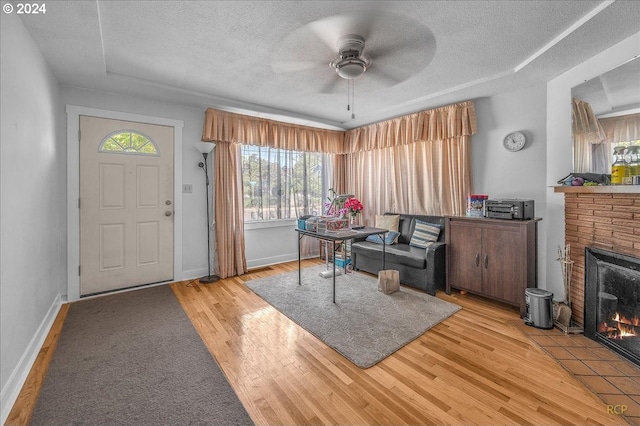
[222, 126]
[436, 124]
[621, 129]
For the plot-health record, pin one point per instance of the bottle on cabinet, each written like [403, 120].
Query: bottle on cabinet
[619, 166]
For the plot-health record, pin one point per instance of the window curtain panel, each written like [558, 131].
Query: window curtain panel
[587, 131]
[418, 164]
[229, 211]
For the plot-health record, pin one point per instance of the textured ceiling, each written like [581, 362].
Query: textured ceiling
[271, 58]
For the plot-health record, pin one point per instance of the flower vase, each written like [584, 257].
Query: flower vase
[352, 221]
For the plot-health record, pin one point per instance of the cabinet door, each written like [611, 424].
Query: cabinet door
[503, 261]
[465, 253]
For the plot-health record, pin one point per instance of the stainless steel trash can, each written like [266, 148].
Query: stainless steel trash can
[539, 308]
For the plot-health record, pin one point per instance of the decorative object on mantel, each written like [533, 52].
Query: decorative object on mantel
[562, 310]
[585, 179]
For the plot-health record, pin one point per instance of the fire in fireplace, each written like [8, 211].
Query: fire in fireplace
[619, 327]
[612, 301]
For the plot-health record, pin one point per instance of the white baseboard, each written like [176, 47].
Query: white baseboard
[192, 274]
[271, 260]
[19, 375]
[274, 260]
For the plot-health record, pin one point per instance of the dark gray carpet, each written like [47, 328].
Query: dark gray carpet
[364, 325]
[134, 358]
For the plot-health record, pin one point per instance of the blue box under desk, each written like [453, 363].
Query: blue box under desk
[341, 262]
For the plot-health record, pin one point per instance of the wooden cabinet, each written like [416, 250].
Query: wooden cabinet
[492, 257]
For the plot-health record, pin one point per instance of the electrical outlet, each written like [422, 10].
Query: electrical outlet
[187, 188]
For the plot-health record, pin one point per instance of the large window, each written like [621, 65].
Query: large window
[281, 184]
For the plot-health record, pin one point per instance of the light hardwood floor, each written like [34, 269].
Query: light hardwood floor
[475, 367]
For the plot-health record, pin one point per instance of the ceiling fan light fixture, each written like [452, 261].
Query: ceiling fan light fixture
[350, 68]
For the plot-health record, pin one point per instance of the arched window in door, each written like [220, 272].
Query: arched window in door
[128, 142]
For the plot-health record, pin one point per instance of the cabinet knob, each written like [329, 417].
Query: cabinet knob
[486, 261]
[477, 259]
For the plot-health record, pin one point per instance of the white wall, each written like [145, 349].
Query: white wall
[271, 242]
[503, 174]
[32, 207]
[193, 220]
[559, 151]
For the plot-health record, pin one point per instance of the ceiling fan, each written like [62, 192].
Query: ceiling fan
[397, 47]
[350, 62]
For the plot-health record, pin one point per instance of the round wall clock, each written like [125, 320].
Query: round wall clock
[515, 141]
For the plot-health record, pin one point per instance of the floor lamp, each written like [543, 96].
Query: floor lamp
[205, 148]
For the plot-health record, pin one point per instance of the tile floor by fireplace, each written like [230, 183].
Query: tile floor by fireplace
[613, 378]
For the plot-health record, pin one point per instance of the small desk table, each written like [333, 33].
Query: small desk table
[339, 235]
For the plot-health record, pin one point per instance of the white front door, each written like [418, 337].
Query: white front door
[126, 204]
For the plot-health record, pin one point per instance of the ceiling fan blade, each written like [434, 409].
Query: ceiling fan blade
[282, 67]
[385, 78]
[416, 44]
[399, 59]
[389, 48]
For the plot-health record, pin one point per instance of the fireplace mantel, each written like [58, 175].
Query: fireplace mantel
[604, 189]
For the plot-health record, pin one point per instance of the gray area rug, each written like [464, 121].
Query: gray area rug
[134, 358]
[364, 325]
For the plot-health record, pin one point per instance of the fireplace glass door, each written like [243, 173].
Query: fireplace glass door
[612, 301]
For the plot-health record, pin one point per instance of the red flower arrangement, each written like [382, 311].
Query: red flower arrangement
[354, 206]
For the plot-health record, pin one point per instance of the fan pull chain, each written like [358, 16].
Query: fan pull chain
[353, 100]
[348, 97]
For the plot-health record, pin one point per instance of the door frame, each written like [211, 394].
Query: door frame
[73, 188]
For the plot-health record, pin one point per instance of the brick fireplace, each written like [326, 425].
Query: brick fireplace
[607, 218]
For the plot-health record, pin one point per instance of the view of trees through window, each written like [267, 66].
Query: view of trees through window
[281, 184]
[127, 142]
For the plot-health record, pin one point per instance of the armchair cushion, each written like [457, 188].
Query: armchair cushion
[425, 234]
[390, 238]
[388, 221]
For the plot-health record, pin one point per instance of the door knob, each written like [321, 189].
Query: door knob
[167, 213]
[168, 202]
